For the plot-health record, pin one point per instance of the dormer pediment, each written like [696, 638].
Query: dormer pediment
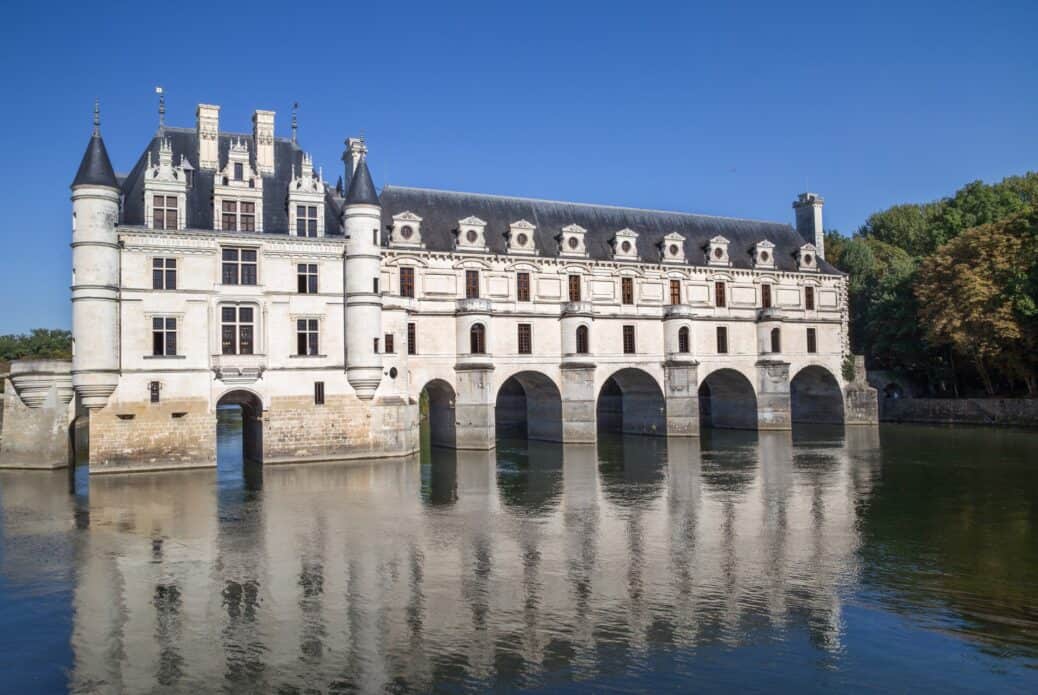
[672, 248]
[520, 237]
[472, 220]
[571, 241]
[406, 230]
[625, 244]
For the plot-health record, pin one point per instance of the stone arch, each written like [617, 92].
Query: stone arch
[815, 396]
[727, 400]
[529, 406]
[631, 401]
[436, 409]
[249, 407]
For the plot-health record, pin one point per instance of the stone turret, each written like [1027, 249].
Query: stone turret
[361, 223]
[95, 274]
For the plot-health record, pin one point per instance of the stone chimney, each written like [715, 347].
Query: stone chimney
[808, 207]
[356, 150]
[263, 136]
[208, 132]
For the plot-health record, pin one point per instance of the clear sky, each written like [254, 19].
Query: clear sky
[719, 108]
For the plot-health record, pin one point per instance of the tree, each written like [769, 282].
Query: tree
[975, 294]
[42, 343]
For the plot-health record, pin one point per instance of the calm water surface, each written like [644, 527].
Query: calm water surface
[901, 558]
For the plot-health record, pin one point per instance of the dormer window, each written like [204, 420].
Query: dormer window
[306, 220]
[571, 241]
[165, 190]
[672, 248]
[239, 171]
[764, 254]
[238, 197]
[406, 230]
[717, 251]
[624, 244]
[807, 258]
[165, 212]
[470, 234]
[520, 237]
[305, 200]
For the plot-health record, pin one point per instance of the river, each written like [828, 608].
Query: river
[892, 558]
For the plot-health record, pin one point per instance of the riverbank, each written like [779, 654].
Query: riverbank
[1010, 412]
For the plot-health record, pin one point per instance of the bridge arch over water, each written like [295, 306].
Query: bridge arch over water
[631, 401]
[727, 400]
[529, 406]
[436, 403]
[815, 396]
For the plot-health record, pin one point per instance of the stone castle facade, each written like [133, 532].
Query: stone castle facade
[223, 269]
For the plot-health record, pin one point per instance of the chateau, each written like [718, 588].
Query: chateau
[224, 269]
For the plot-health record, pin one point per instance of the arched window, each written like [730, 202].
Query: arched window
[477, 339]
[683, 339]
[582, 341]
[776, 340]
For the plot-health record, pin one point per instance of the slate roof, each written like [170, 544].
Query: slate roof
[96, 168]
[441, 210]
[362, 189]
[287, 155]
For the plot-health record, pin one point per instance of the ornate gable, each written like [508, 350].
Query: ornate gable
[571, 241]
[764, 254]
[672, 248]
[625, 244]
[165, 190]
[717, 252]
[406, 230]
[807, 258]
[472, 234]
[520, 237]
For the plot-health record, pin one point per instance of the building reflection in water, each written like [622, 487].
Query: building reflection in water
[469, 567]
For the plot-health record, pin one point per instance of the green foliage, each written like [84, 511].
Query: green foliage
[41, 343]
[848, 368]
[915, 332]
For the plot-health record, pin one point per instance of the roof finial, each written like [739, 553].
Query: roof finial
[295, 124]
[162, 107]
[97, 116]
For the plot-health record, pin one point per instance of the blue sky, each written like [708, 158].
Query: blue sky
[719, 108]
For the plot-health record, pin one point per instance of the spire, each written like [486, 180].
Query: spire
[362, 189]
[96, 168]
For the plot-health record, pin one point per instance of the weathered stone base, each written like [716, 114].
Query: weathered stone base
[861, 406]
[34, 437]
[682, 394]
[181, 434]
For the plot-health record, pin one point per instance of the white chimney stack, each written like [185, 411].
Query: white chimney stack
[263, 136]
[208, 132]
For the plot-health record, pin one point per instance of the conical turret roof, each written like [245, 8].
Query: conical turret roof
[96, 167]
[362, 189]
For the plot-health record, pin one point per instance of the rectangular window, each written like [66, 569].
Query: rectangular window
[522, 284]
[812, 340]
[376, 345]
[627, 290]
[412, 339]
[306, 220]
[675, 291]
[306, 278]
[765, 296]
[471, 284]
[374, 285]
[525, 339]
[390, 345]
[230, 215]
[163, 273]
[574, 288]
[248, 217]
[722, 340]
[163, 336]
[629, 340]
[164, 212]
[809, 298]
[306, 337]
[239, 266]
[153, 391]
[239, 171]
[237, 328]
[318, 393]
[407, 282]
[719, 294]
[374, 237]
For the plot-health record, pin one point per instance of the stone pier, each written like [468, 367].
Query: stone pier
[37, 415]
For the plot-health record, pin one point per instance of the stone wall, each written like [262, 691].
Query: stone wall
[36, 415]
[175, 433]
[968, 411]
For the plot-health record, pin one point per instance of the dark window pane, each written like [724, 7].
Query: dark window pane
[248, 256]
[301, 344]
[171, 343]
[156, 343]
[230, 274]
[230, 254]
[227, 340]
[312, 284]
[248, 275]
[156, 279]
[245, 340]
[171, 280]
[245, 314]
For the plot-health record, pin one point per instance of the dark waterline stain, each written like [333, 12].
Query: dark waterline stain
[856, 559]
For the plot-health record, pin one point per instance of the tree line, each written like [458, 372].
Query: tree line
[945, 293]
[40, 343]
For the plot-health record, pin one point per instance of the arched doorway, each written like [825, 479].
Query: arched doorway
[727, 401]
[631, 402]
[239, 429]
[815, 397]
[436, 410]
[529, 406]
